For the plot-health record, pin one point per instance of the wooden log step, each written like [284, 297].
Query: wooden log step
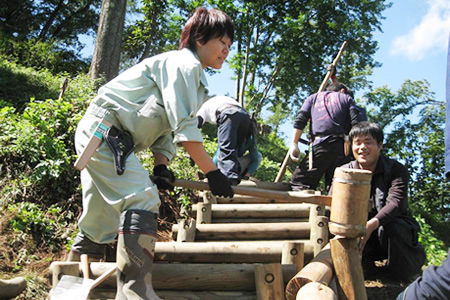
[223, 252]
[257, 220]
[108, 294]
[180, 276]
[249, 231]
[258, 210]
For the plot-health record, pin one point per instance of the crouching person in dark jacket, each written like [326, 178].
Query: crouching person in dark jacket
[391, 231]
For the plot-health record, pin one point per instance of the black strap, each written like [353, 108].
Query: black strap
[121, 145]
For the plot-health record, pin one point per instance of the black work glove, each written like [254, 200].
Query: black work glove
[219, 184]
[199, 122]
[162, 171]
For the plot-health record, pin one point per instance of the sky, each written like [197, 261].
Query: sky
[413, 45]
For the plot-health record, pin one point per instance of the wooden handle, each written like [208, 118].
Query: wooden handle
[285, 196]
[94, 142]
[85, 265]
[103, 277]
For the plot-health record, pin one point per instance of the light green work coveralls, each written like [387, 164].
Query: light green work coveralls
[156, 101]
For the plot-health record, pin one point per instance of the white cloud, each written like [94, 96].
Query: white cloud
[431, 34]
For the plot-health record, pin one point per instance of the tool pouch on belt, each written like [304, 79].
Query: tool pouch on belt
[121, 145]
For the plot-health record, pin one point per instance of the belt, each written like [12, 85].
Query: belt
[318, 136]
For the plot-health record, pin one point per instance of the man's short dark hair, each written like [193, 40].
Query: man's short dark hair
[366, 128]
[204, 25]
[337, 86]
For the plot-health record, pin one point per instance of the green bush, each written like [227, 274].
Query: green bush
[434, 248]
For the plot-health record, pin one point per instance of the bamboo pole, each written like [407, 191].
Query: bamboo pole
[321, 88]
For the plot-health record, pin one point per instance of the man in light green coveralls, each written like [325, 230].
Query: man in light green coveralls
[155, 102]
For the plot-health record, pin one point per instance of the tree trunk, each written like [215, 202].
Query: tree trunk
[105, 62]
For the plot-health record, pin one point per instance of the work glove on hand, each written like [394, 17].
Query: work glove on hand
[294, 152]
[219, 184]
[162, 171]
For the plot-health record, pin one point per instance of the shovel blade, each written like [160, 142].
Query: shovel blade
[72, 288]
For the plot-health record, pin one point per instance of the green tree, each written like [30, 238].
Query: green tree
[106, 59]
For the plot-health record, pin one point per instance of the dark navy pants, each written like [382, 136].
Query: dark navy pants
[397, 241]
[326, 157]
[233, 124]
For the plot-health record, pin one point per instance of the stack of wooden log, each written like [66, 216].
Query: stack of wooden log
[246, 247]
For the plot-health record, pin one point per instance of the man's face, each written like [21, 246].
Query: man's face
[366, 151]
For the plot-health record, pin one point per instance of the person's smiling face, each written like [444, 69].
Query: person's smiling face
[366, 151]
[214, 52]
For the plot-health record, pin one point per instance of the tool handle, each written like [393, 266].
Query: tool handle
[85, 265]
[103, 277]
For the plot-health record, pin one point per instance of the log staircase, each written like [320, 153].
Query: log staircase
[245, 247]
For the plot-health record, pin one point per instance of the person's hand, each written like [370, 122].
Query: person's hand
[371, 226]
[219, 184]
[163, 175]
[294, 152]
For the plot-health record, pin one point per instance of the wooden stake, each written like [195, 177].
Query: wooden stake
[347, 263]
[293, 253]
[204, 213]
[187, 231]
[269, 282]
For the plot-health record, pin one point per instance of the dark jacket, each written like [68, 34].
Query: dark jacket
[389, 191]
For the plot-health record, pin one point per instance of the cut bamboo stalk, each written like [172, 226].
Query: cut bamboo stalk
[250, 231]
[269, 282]
[220, 277]
[257, 210]
[293, 253]
[315, 291]
[320, 269]
[347, 263]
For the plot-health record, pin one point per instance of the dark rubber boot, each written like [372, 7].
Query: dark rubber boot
[135, 252]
